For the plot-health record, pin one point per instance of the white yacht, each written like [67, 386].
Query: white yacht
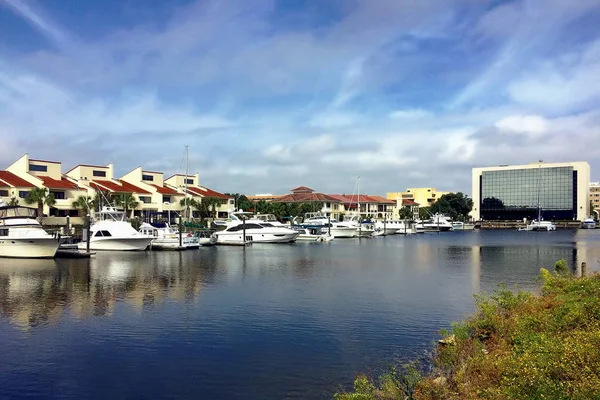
[110, 231]
[588, 223]
[352, 221]
[22, 236]
[537, 225]
[167, 238]
[312, 233]
[336, 229]
[391, 227]
[256, 231]
[437, 223]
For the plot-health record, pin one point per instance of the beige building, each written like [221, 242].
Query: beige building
[190, 184]
[424, 197]
[595, 198]
[557, 191]
[48, 174]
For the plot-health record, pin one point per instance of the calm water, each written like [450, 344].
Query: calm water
[265, 322]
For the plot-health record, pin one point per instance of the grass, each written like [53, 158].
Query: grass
[515, 346]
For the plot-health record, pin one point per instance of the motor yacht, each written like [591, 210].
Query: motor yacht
[22, 236]
[243, 229]
[588, 223]
[336, 229]
[167, 238]
[310, 233]
[437, 223]
[110, 231]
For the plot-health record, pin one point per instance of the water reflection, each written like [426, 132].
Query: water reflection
[36, 292]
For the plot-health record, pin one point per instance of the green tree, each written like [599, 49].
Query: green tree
[212, 203]
[84, 203]
[188, 203]
[100, 200]
[127, 201]
[40, 197]
[241, 202]
[13, 201]
[455, 205]
[405, 212]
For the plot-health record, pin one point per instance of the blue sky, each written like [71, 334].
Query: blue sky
[270, 95]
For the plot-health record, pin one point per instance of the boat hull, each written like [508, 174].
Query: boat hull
[28, 247]
[238, 238]
[117, 244]
[588, 226]
[344, 233]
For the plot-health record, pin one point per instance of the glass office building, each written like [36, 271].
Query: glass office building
[521, 192]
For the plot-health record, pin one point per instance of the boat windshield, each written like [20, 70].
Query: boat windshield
[267, 217]
[18, 212]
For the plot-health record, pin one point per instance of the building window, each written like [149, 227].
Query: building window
[23, 193]
[166, 199]
[518, 194]
[99, 173]
[3, 193]
[59, 195]
[189, 181]
[145, 199]
[147, 178]
[38, 168]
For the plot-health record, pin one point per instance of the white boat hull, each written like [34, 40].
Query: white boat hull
[207, 241]
[343, 232]
[305, 237]
[28, 247]
[238, 238]
[117, 244]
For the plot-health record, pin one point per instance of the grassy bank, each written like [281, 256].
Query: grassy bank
[515, 346]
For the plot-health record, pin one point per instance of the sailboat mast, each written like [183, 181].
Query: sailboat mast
[187, 203]
[539, 190]
[358, 201]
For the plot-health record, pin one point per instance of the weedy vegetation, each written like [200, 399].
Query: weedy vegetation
[515, 346]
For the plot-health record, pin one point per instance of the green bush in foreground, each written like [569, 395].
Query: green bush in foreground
[515, 346]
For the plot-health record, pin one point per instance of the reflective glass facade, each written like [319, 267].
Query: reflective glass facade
[513, 194]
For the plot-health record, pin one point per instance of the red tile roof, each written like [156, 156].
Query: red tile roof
[205, 192]
[302, 189]
[8, 179]
[408, 202]
[383, 200]
[120, 187]
[304, 198]
[165, 190]
[57, 184]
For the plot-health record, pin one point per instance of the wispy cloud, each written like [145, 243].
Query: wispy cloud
[401, 93]
[44, 24]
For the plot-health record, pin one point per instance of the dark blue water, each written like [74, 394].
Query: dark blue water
[264, 322]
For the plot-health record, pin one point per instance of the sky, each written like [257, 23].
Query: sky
[269, 95]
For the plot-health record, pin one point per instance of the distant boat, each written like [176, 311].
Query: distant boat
[588, 223]
[437, 223]
[167, 238]
[255, 230]
[538, 224]
[462, 226]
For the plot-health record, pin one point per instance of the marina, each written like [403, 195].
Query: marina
[295, 320]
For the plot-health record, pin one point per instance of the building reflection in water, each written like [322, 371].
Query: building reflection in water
[38, 292]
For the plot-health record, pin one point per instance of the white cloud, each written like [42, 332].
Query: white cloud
[534, 125]
[410, 114]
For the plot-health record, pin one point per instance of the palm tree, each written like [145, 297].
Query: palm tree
[212, 203]
[84, 203]
[187, 203]
[41, 197]
[13, 201]
[127, 201]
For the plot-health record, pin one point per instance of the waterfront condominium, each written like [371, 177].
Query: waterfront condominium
[558, 191]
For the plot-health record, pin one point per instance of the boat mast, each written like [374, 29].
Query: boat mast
[539, 190]
[187, 202]
[358, 200]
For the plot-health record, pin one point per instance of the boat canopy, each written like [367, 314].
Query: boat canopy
[17, 212]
